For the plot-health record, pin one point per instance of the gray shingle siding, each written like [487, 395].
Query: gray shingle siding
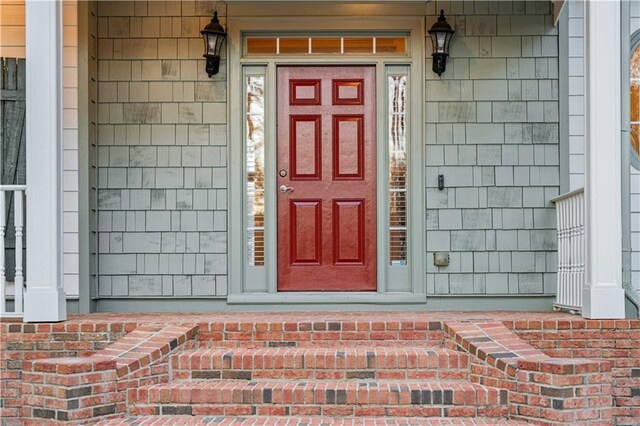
[492, 131]
[162, 153]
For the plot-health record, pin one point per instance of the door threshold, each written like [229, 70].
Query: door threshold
[327, 297]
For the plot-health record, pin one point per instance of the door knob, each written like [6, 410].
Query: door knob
[284, 189]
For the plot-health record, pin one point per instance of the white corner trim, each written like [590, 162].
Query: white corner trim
[603, 294]
[44, 298]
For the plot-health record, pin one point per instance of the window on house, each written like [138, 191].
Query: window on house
[635, 99]
[255, 138]
[397, 110]
[326, 44]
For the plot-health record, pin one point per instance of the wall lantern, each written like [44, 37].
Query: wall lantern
[441, 34]
[213, 35]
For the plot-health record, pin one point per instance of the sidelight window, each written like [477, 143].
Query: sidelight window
[255, 162]
[397, 133]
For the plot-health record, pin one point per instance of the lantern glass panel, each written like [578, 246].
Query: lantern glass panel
[213, 44]
[440, 42]
[448, 38]
[219, 42]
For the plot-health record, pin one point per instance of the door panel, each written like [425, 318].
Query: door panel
[304, 92]
[327, 196]
[348, 232]
[348, 147]
[306, 232]
[305, 147]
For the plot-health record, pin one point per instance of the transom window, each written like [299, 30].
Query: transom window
[322, 45]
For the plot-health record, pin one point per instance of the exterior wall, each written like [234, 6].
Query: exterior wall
[12, 33]
[162, 174]
[27, 342]
[12, 44]
[70, 153]
[576, 122]
[612, 341]
[576, 95]
[492, 130]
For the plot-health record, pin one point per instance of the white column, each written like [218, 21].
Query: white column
[603, 296]
[44, 298]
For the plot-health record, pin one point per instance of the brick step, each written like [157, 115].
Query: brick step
[319, 398]
[302, 421]
[321, 364]
[316, 330]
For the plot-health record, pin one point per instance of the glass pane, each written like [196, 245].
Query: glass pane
[635, 100]
[294, 45]
[255, 134]
[635, 63]
[390, 45]
[398, 210]
[261, 45]
[358, 45]
[325, 45]
[256, 247]
[398, 247]
[397, 169]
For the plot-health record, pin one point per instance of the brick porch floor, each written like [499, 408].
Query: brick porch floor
[358, 368]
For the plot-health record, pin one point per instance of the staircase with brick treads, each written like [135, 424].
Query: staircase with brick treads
[327, 382]
[317, 372]
[336, 380]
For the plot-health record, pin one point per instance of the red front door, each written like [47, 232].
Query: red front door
[326, 179]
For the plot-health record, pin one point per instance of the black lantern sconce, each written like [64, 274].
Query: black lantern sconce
[213, 35]
[441, 34]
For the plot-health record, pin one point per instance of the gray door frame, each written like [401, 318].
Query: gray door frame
[248, 285]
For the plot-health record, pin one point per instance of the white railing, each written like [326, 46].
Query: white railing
[571, 250]
[13, 289]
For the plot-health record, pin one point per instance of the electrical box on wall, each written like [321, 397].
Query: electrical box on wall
[440, 258]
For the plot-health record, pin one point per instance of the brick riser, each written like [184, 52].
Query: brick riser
[321, 364]
[281, 398]
[325, 334]
[304, 421]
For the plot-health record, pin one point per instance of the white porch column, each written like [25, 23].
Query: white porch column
[44, 298]
[603, 296]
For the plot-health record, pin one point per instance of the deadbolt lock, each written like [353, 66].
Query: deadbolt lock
[283, 173]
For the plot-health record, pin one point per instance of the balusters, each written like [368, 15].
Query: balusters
[18, 192]
[18, 220]
[571, 250]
